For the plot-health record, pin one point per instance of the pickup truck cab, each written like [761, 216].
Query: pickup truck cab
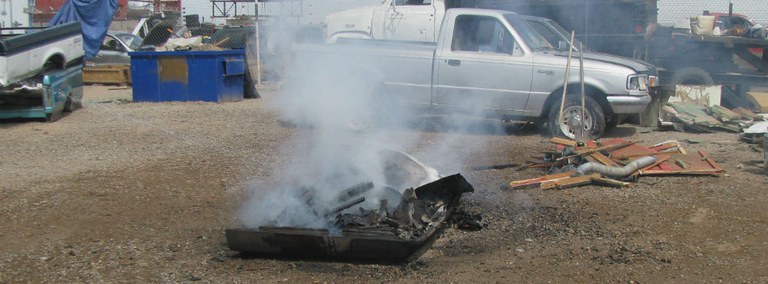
[488, 63]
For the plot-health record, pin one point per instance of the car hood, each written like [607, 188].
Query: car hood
[637, 65]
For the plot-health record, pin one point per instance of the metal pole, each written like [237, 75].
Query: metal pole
[258, 47]
[567, 74]
[583, 92]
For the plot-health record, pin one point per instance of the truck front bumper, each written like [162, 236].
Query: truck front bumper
[628, 104]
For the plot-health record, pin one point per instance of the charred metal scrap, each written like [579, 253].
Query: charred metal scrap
[380, 234]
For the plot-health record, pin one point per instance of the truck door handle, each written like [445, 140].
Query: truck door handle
[453, 62]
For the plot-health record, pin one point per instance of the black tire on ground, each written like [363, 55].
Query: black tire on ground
[613, 122]
[594, 123]
[691, 76]
[52, 117]
[72, 104]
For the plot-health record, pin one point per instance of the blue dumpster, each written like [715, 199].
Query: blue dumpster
[210, 76]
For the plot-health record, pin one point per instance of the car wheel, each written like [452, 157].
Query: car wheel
[593, 120]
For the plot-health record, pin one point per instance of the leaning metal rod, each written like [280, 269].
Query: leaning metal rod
[583, 91]
[567, 74]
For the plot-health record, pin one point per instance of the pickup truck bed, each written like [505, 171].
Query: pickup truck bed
[384, 62]
[24, 56]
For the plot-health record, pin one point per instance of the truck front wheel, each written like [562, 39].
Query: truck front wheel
[593, 121]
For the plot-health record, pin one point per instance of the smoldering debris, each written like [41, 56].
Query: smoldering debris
[384, 233]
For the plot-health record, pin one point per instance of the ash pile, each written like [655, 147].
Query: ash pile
[391, 218]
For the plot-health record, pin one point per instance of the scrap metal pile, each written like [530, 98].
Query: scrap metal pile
[415, 212]
[389, 220]
[697, 118]
[614, 162]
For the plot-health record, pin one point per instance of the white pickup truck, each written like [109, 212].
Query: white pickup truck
[488, 63]
[23, 56]
[410, 20]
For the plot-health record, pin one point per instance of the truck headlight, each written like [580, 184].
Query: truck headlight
[637, 82]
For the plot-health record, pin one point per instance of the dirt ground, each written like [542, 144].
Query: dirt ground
[142, 192]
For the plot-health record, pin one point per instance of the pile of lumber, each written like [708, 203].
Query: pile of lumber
[613, 163]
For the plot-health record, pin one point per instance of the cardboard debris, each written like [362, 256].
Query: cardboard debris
[747, 114]
[671, 158]
[759, 99]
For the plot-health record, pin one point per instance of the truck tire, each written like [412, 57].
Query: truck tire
[691, 76]
[613, 121]
[594, 122]
[72, 104]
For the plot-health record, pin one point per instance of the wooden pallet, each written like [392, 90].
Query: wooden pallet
[114, 74]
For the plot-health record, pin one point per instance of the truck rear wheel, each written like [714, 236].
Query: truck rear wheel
[691, 76]
[593, 120]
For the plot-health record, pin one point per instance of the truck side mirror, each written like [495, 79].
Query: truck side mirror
[562, 45]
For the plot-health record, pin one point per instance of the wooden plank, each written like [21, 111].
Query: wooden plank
[710, 161]
[599, 157]
[692, 164]
[598, 149]
[563, 141]
[107, 75]
[609, 182]
[569, 182]
[536, 181]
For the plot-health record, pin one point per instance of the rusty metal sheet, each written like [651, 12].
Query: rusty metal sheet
[692, 164]
[628, 152]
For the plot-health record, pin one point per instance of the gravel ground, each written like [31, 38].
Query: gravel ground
[142, 192]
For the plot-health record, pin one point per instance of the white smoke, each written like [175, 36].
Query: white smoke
[326, 93]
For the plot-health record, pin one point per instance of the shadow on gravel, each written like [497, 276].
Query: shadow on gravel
[472, 126]
[317, 261]
[441, 124]
[755, 167]
[620, 132]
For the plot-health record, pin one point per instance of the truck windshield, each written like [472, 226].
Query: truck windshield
[532, 38]
[552, 32]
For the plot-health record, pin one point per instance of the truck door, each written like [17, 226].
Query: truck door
[482, 67]
[412, 20]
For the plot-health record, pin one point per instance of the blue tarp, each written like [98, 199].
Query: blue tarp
[94, 17]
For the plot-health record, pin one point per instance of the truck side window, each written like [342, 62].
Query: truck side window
[482, 34]
[110, 44]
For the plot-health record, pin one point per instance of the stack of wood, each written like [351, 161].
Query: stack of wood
[108, 74]
[670, 159]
